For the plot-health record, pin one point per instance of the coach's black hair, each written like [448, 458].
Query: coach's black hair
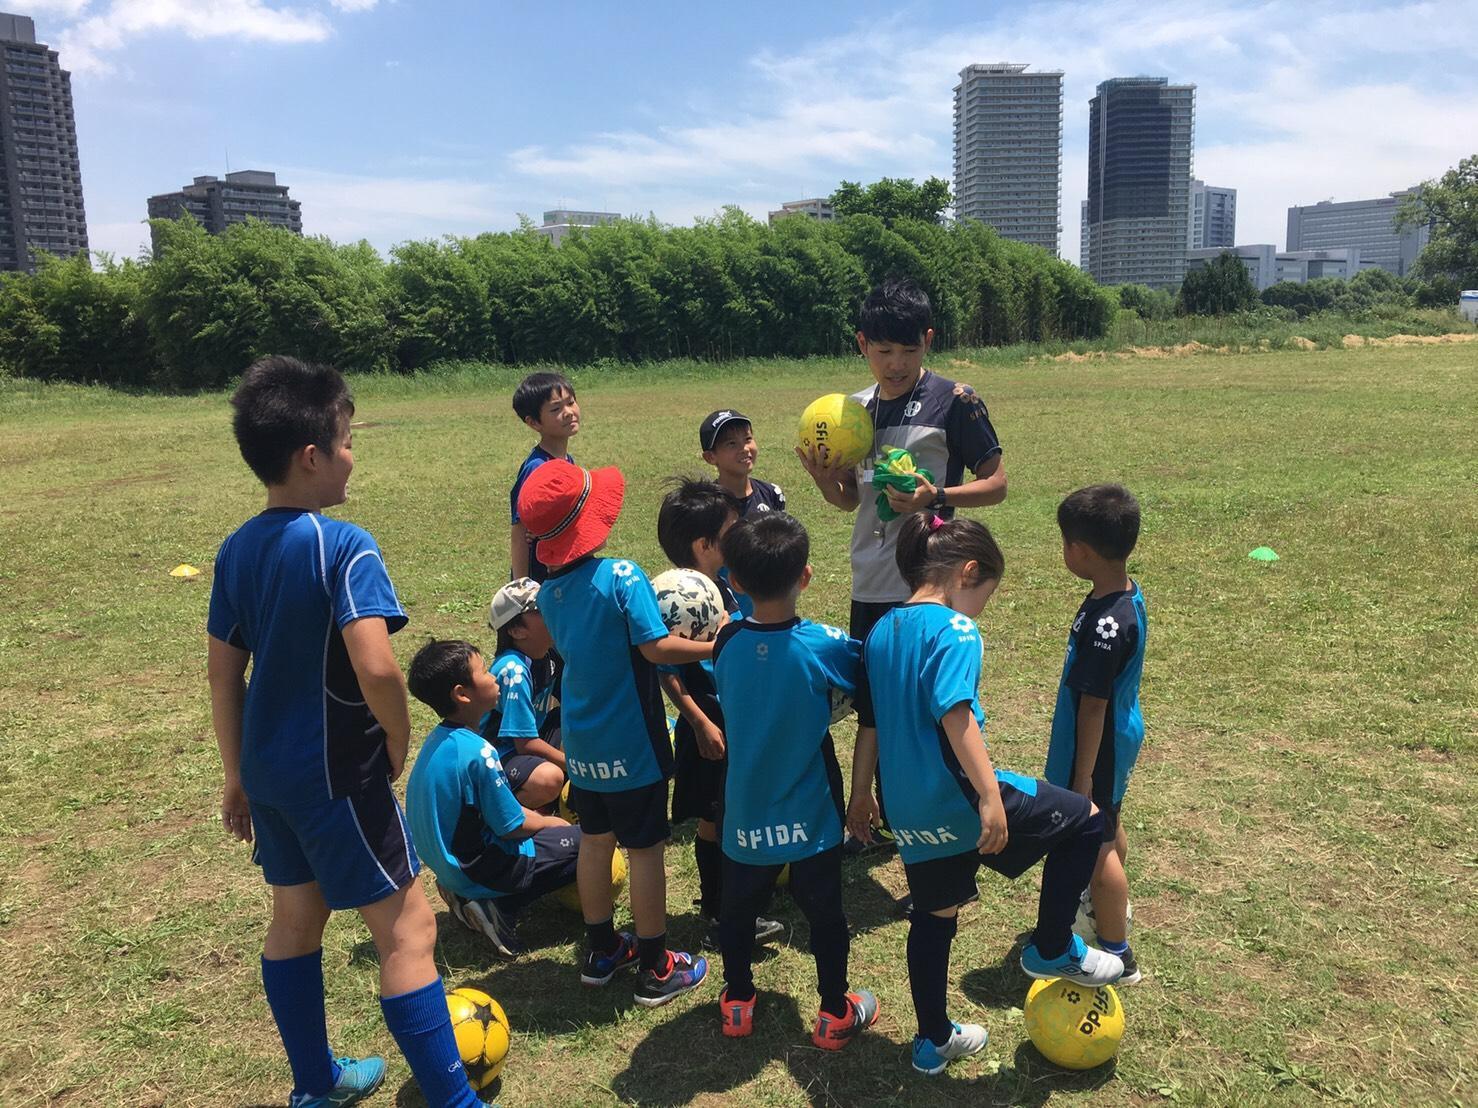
[283, 405]
[932, 555]
[535, 390]
[693, 509]
[767, 556]
[438, 668]
[898, 311]
[1106, 517]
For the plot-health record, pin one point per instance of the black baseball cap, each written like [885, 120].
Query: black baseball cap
[715, 422]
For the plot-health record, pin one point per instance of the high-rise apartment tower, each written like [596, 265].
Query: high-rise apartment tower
[1141, 133]
[40, 178]
[1213, 217]
[1008, 151]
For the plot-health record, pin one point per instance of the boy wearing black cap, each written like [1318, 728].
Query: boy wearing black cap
[727, 440]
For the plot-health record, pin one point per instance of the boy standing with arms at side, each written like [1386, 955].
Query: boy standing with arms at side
[1097, 727]
[783, 797]
[603, 615]
[312, 743]
[546, 403]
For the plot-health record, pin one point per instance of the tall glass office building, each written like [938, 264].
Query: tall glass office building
[1141, 134]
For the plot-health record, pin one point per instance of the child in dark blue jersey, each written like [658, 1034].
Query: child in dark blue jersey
[491, 854]
[726, 438]
[919, 723]
[693, 519]
[546, 403]
[1097, 727]
[603, 615]
[783, 795]
[524, 726]
[312, 743]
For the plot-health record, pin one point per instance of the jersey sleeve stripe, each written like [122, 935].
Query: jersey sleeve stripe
[322, 556]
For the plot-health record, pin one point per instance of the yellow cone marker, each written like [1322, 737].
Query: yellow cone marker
[184, 570]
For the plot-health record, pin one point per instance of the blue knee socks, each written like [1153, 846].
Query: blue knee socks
[423, 1031]
[295, 994]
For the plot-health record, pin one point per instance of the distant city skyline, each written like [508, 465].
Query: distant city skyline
[400, 121]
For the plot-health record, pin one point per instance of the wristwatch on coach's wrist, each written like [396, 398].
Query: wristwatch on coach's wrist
[938, 503]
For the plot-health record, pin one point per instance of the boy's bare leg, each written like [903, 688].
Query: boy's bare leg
[299, 916]
[542, 787]
[1121, 844]
[648, 890]
[1110, 891]
[593, 877]
[404, 929]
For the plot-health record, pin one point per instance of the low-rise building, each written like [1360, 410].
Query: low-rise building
[217, 204]
[561, 221]
[816, 208]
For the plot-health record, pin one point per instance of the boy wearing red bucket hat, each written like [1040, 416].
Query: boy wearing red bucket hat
[603, 616]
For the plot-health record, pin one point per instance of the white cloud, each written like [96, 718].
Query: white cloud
[106, 28]
[1294, 102]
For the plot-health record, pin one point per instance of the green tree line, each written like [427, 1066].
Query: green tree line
[728, 287]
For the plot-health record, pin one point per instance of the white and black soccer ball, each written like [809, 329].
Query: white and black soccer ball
[841, 706]
[690, 604]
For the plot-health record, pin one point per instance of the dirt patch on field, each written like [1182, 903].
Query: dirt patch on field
[1298, 342]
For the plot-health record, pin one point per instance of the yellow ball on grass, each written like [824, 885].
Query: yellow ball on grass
[569, 896]
[1074, 1026]
[481, 1029]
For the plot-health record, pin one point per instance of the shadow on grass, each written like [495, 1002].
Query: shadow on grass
[1002, 985]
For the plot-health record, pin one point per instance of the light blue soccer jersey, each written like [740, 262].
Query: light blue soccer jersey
[1105, 658]
[920, 661]
[522, 709]
[460, 806]
[779, 800]
[613, 725]
[286, 583]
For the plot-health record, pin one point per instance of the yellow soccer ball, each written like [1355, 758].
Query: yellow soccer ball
[782, 880]
[1074, 1026]
[569, 896]
[841, 425]
[564, 811]
[481, 1029]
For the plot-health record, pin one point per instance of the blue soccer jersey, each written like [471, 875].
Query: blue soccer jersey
[460, 807]
[782, 796]
[1105, 658]
[920, 661]
[613, 725]
[523, 702]
[537, 457]
[286, 584]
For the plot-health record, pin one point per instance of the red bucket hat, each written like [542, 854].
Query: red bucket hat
[569, 510]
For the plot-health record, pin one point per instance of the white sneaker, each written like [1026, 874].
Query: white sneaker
[966, 1039]
[486, 918]
[1080, 963]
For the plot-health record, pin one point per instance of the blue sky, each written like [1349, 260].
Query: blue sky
[403, 119]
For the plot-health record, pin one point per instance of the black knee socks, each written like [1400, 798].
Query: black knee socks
[929, 939]
[1065, 874]
[710, 877]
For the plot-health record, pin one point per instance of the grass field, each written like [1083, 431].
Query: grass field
[1303, 822]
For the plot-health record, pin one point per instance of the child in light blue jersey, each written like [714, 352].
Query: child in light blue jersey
[603, 615]
[491, 854]
[783, 794]
[920, 724]
[524, 725]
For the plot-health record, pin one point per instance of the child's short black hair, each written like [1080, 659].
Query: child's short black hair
[692, 510]
[438, 668]
[283, 405]
[931, 550]
[1105, 517]
[534, 391]
[898, 311]
[767, 556]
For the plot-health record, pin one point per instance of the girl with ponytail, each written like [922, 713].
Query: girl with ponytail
[920, 725]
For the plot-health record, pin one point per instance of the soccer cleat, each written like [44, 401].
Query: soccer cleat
[1131, 975]
[1080, 963]
[738, 1016]
[763, 929]
[965, 1039]
[490, 921]
[882, 839]
[358, 1077]
[684, 974]
[600, 968]
[832, 1033]
[454, 904]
